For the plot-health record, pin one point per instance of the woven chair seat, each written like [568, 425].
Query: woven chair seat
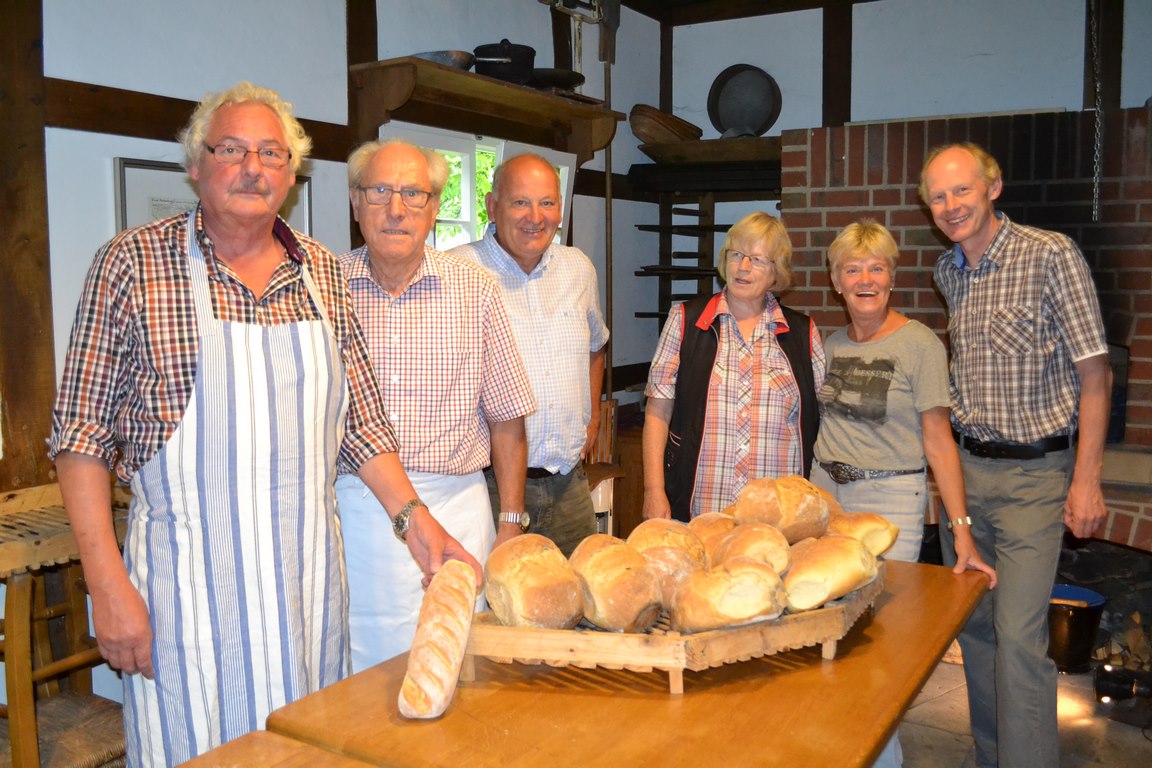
[75, 731]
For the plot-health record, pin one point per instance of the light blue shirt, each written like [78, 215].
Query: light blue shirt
[556, 319]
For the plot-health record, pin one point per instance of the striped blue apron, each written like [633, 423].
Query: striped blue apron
[233, 539]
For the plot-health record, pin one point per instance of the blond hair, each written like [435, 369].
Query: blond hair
[760, 227]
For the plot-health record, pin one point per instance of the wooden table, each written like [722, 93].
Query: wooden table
[790, 709]
[271, 750]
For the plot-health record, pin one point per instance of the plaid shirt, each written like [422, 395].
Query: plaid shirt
[752, 423]
[131, 364]
[445, 357]
[555, 315]
[1018, 324]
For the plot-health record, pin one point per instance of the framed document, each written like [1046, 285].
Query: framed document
[147, 190]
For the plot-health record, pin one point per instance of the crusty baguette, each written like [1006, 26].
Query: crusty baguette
[441, 636]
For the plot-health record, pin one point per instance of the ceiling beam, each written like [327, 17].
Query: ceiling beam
[680, 12]
[837, 77]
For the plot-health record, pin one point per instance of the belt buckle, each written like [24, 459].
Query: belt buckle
[841, 473]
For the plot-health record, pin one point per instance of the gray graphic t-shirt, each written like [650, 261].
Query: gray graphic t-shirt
[873, 396]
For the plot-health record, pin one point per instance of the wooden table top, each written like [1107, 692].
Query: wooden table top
[789, 709]
[271, 750]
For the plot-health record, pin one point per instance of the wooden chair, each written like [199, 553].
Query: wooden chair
[603, 467]
[49, 724]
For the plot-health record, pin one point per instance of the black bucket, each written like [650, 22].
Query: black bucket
[1073, 619]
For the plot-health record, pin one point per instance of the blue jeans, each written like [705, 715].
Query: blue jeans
[560, 507]
[1017, 510]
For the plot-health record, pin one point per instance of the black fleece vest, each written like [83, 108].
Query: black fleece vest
[686, 427]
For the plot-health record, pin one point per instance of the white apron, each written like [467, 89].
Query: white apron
[233, 539]
[384, 582]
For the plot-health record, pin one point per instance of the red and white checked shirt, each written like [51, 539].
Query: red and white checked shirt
[131, 364]
[445, 357]
[752, 423]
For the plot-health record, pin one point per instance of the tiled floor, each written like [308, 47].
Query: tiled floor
[935, 732]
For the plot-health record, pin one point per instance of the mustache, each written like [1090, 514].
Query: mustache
[251, 186]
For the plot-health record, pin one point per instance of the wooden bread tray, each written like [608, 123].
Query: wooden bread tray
[663, 649]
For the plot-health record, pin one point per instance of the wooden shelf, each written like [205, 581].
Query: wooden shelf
[419, 91]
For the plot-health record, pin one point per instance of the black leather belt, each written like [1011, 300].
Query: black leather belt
[846, 473]
[538, 473]
[987, 449]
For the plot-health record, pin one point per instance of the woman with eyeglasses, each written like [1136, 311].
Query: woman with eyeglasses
[732, 388]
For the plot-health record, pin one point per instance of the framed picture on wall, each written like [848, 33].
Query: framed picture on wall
[147, 190]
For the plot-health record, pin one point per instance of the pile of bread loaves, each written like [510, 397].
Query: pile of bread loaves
[784, 545]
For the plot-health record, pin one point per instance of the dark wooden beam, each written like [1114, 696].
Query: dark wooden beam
[27, 356]
[100, 109]
[837, 63]
[666, 40]
[363, 47]
[1111, 50]
[561, 39]
[680, 12]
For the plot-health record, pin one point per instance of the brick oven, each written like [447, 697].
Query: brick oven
[832, 176]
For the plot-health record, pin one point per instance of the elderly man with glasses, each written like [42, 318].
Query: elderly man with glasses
[453, 382]
[216, 364]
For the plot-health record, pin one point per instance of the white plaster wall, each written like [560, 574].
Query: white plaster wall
[786, 45]
[184, 50]
[911, 58]
[1136, 83]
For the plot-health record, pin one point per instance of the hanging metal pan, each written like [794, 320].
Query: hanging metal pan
[744, 100]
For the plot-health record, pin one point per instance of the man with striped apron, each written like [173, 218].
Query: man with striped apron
[218, 356]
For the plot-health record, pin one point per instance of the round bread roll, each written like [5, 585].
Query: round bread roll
[834, 507]
[661, 532]
[671, 565]
[790, 503]
[711, 528]
[756, 541]
[876, 532]
[736, 591]
[828, 568]
[529, 583]
[621, 592]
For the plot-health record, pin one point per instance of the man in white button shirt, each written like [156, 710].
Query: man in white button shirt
[553, 301]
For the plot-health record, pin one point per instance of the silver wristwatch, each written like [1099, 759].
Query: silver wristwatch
[400, 522]
[521, 519]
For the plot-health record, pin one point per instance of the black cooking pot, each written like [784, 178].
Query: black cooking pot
[505, 61]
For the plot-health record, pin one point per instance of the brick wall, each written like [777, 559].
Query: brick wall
[832, 176]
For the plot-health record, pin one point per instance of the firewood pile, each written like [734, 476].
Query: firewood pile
[1129, 646]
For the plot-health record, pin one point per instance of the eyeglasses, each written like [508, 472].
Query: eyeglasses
[232, 154]
[412, 198]
[758, 262]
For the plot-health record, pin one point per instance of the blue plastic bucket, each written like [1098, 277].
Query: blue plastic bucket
[1072, 628]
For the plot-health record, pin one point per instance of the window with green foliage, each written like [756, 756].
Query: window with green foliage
[463, 216]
